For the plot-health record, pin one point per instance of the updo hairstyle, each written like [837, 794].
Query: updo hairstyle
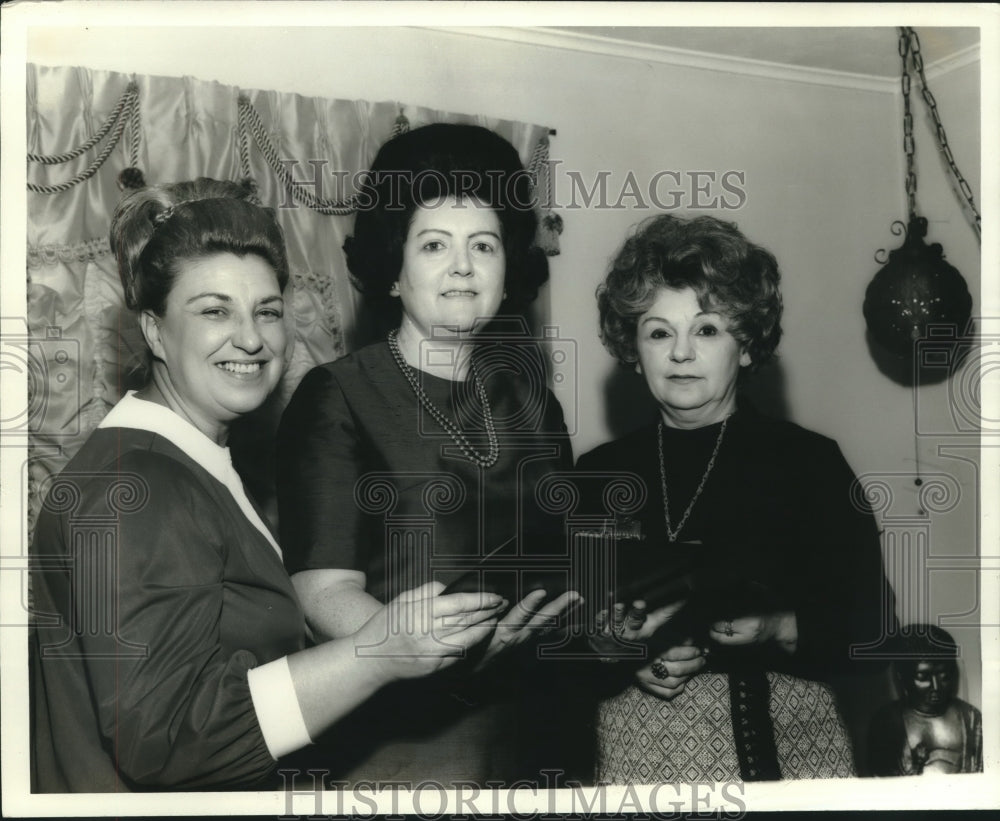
[156, 229]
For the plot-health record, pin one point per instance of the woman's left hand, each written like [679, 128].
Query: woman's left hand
[528, 618]
[668, 674]
[780, 628]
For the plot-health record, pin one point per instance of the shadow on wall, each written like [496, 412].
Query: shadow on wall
[628, 405]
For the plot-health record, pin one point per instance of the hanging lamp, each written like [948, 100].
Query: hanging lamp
[917, 295]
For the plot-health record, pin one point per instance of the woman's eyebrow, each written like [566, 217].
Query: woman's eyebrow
[486, 231]
[210, 294]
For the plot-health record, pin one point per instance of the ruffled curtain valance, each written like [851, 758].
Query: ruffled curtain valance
[85, 127]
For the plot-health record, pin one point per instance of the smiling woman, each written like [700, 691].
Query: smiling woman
[223, 334]
[173, 655]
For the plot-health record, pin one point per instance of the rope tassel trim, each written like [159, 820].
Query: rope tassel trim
[126, 114]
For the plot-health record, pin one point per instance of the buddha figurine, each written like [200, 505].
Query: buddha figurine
[929, 729]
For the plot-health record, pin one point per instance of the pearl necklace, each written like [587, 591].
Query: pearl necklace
[672, 534]
[450, 427]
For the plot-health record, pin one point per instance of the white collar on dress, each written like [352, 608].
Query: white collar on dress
[141, 414]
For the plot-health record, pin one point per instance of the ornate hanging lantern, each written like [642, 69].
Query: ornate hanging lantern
[917, 288]
[914, 290]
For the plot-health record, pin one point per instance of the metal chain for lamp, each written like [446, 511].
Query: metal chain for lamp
[918, 306]
[909, 45]
[908, 143]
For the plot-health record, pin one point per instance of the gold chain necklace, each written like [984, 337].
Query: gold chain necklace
[450, 427]
[672, 534]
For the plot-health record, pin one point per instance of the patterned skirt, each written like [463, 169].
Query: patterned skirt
[643, 739]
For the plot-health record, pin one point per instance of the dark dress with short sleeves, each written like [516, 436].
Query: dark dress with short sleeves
[153, 597]
[368, 480]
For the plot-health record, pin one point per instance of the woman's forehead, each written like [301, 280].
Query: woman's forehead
[454, 214]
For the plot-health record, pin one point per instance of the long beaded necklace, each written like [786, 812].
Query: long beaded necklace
[672, 534]
[450, 427]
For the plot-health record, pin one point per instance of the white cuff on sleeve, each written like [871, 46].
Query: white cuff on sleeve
[277, 708]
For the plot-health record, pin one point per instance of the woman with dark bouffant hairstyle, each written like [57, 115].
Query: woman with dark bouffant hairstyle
[782, 562]
[425, 165]
[170, 647]
[414, 457]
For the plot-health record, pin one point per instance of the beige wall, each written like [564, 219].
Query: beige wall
[823, 182]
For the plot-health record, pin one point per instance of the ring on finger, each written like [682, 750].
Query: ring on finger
[659, 669]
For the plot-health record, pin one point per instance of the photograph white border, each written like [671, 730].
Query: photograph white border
[943, 792]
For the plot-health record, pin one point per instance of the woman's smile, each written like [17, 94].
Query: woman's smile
[243, 370]
[222, 339]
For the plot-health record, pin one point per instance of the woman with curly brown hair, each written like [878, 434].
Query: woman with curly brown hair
[795, 567]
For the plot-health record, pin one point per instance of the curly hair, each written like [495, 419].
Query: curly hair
[423, 165]
[730, 275]
[156, 228]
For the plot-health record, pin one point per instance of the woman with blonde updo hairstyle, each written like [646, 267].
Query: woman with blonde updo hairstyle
[170, 648]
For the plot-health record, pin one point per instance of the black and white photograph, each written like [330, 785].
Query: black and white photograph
[504, 408]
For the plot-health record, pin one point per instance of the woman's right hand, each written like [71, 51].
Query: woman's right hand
[667, 675]
[421, 631]
[628, 626]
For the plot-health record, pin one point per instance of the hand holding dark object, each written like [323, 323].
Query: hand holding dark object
[667, 675]
[616, 629]
[421, 630]
[720, 589]
[531, 616]
[658, 577]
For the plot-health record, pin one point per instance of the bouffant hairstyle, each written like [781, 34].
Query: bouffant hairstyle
[422, 166]
[157, 228]
[730, 275]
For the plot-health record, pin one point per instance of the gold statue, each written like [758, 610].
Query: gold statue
[929, 729]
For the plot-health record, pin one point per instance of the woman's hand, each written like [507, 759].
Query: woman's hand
[422, 631]
[780, 628]
[528, 618]
[633, 625]
[670, 672]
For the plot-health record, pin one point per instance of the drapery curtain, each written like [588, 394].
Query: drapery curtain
[84, 343]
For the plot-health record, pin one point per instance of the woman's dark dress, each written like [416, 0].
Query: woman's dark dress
[165, 595]
[778, 508]
[367, 480]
